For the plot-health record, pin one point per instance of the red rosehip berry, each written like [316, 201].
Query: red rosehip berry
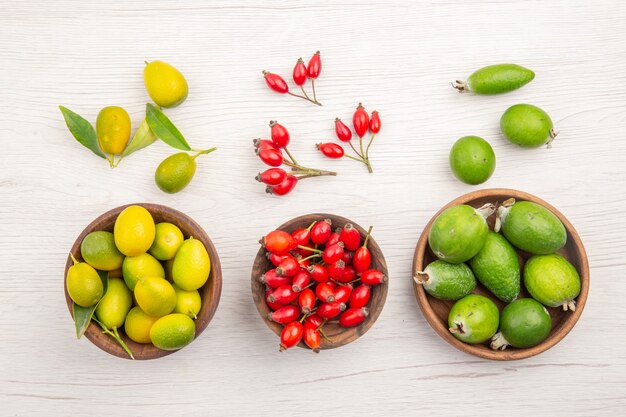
[314, 320]
[312, 337]
[272, 176]
[283, 295]
[360, 296]
[350, 237]
[291, 335]
[375, 122]
[362, 259]
[301, 280]
[361, 121]
[353, 316]
[284, 187]
[325, 292]
[330, 310]
[285, 314]
[336, 270]
[342, 131]
[318, 273]
[331, 150]
[277, 259]
[276, 82]
[333, 253]
[273, 280]
[271, 157]
[279, 134]
[288, 267]
[314, 68]
[306, 300]
[373, 277]
[300, 72]
[260, 144]
[320, 232]
[279, 242]
[272, 305]
[349, 275]
[342, 293]
[302, 236]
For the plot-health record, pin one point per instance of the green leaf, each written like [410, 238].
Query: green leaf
[82, 130]
[143, 137]
[83, 315]
[165, 129]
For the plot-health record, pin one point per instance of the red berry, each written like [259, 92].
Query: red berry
[320, 232]
[349, 275]
[360, 296]
[284, 187]
[288, 267]
[271, 157]
[373, 277]
[312, 337]
[277, 259]
[361, 121]
[375, 122]
[299, 72]
[325, 292]
[301, 280]
[330, 310]
[347, 257]
[279, 242]
[283, 295]
[333, 253]
[280, 134]
[276, 82]
[353, 316]
[350, 237]
[342, 131]
[331, 150]
[319, 273]
[285, 314]
[272, 280]
[342, 293]
[274, 306]
[334, 237]
[315, 66]
[336, 270]
[261, 144]
[272, 176]
[291, 335]
[314, 320]
[302, 236]
[362, 259]
[306, 300]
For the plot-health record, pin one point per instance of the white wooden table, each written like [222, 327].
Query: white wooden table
[396, 57]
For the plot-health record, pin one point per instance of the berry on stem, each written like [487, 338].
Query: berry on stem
[375, 122]
[279, 134]
[306, 300]
[271, 157]
[342, 131]
[350, 237]
[300, 73]
[318, 273]
[331, 150]
[360, 296]
[285, 314]
[373, 277]
[336, 270]
[291, 335]
[288, 267]
[284, 187]
[333, 253]
[343, 293]
[301, 280]
[283, 295]
[273, 280]
[260, 144]
[353, 316]
[325, 292]
[314, 68]
[312, 337]
[321, 231]
[279, 242]
[360, 121]
[276, 82]
[362, 257]
[330, 310]
[272, 176]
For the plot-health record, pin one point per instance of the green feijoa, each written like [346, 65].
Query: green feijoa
[472, 160]
[496, 79]
[459, 232]
[176, 171]
[552, 280]
[524, 323]
[527, 126]
[531, 227]
[446, 281]
[473, 319]
[496, 266]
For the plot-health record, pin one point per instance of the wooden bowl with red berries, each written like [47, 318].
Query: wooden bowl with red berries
[319, 281]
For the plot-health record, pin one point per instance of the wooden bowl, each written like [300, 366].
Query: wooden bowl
[436, 311]
[210, 292]
[339, 335]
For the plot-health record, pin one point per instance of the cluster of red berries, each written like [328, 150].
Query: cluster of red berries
[301, 73]
[279, 181]
[362, 123]
[314, 280]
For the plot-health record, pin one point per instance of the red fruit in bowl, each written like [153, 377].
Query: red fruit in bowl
[350, 237]
[273, 280]
[321, 231]
[318, 273]
[362, 259]
[279, 242]
[291, 335]
[306, 300]
[373, 277]
[277, 259]
[312, 337]
[272, 305]
[347, 257]
[314, 320]
[325, 292]
[360, 296]
[333, 253]
[334, 237]
[330, 310]
[336, 270]
[283, 295]
[301, 280]
[342, 293]
[285, 314]
[302, 236]
[288, 267]
[353, 316]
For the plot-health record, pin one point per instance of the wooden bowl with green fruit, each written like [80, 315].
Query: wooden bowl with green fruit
[500, 274]
[141, 276]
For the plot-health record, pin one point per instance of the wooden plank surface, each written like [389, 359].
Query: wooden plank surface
[396, 57]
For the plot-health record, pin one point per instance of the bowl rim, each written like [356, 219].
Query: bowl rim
[94, 333]
[353, 333]
[555, 337]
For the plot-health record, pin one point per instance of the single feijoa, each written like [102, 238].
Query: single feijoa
[496, 266]
[459, 232]
[472, 160]
[446, 281]
[474, 319]
[524, 323]
[531, 227]
[496, 79]
[527, 126]
[552, 280]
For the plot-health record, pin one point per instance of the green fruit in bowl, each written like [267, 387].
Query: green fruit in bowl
[84, 284]
[141, 266]
[446, 281]
[552, 280]
[524, 323]
[138, 324]
[115, 304]
[459, 232]
[165, 84]
[496, 79]
[98, 250]
[167, 240]
[531, 227]
[472, 160]
[496, 266]
[527, 126]
[192, 265]
[173, 331]
[473, 319]
[187, 302]
[155, 296]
